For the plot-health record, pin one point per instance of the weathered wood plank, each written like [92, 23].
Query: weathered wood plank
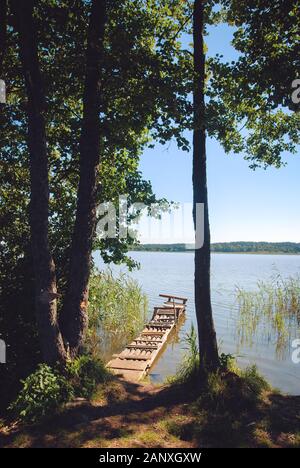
[165, 314]
[123, 364]
[131, 357]
[159, 325]
[154, 340]
[134, 346]
[154, 332]
[170, 296]
[134, 362]
[176, 305]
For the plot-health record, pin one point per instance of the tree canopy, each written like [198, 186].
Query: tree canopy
[254, 92]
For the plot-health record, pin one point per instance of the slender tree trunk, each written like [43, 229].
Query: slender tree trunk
[207, 336]
[74, 319]
[45, 280]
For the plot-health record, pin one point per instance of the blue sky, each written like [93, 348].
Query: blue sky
[245, 205]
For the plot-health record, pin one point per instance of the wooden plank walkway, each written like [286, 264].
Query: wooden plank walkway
[135, 361]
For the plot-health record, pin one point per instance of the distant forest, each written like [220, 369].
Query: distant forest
[228, 247]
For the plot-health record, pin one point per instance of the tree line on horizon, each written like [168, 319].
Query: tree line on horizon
[238, 247]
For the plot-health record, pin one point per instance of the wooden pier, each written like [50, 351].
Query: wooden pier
[135, 361]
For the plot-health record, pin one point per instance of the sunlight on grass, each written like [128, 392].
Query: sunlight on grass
[109, 393]
[150, 438]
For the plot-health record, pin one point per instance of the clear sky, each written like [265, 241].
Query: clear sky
[245, 205]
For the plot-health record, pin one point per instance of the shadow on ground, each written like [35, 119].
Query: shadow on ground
[124, 414]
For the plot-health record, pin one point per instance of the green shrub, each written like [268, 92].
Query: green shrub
[234, 390]
[43, 394]
[254, 381]
[86, 373]
[228, 363]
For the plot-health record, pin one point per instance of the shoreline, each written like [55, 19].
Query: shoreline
[214, 252]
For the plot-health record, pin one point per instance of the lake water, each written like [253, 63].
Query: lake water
[173, 273]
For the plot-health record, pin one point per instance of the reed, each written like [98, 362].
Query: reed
[271, 312]
[189, 367]
[117, 311]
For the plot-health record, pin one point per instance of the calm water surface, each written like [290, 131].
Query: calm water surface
[173, 273]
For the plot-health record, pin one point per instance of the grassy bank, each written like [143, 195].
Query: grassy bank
[122, 414]
[233, 408]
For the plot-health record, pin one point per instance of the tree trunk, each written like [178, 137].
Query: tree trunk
[44, 269]
[208, 349]
[3, 29]
[74, 319]
[3, 34]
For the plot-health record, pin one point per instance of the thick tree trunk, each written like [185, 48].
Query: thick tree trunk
[74, 319]
[3, 29]
[45, 280]
[207, 336]
[3, 35]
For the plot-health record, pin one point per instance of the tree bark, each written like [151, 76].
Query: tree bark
[45, 279]
[208, 348]
[3, 29]
[74, 318]
[3, 36]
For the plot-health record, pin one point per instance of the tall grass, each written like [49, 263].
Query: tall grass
[271, 312]
[225, 389]
[189, 367]
[117, 311]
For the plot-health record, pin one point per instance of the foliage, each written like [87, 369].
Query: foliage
[148, 100]
[43, 394]
[46, 390]
[227, 362]
[271, 310]
[268, 39]
[144, 62]
[85, 373]
[248, 98]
